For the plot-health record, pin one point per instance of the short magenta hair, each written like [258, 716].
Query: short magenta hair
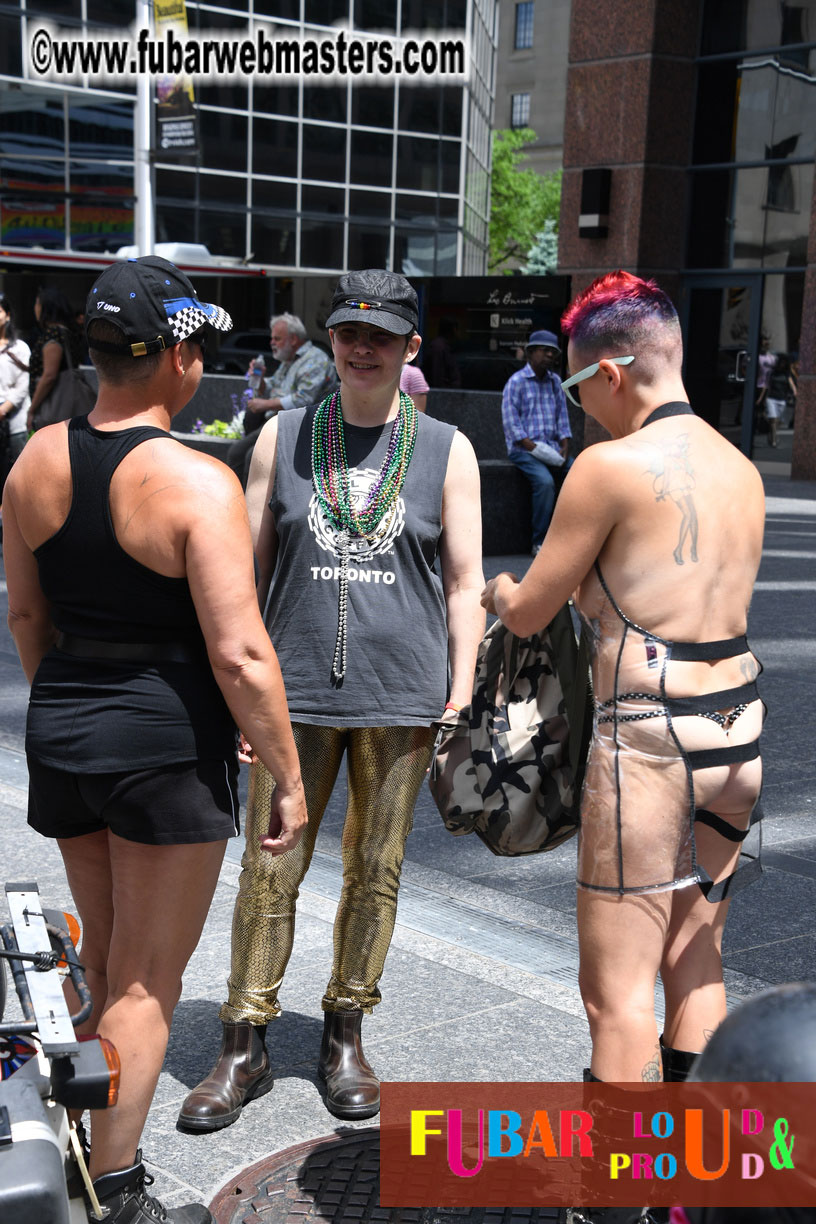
[616, 310]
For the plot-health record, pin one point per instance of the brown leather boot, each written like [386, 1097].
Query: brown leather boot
[240, 1074]
[352, 1088]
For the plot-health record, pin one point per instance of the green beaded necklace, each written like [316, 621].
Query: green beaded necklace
[330, 471]
[330, 476]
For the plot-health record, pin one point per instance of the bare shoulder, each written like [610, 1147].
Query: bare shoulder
[165, 478]
[267, 443]
[43, 458]
[461, 450]
[463, 468]
[603, 469]
[200, 473]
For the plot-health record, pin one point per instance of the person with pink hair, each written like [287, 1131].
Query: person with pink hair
[658, 532]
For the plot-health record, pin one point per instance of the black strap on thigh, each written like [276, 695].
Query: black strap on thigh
[736, 754]
[748, 868]
[721, 826]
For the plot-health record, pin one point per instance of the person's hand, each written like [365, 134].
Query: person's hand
[488, 596]
[287, 820]
[527, 444]
[256, 405]
[245, 753]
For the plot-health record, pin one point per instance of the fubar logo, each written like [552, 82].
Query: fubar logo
[560, 1144]
[108, 306]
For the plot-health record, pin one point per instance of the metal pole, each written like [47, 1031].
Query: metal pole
[144, 233]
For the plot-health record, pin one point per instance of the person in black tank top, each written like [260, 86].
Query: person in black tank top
[132, 605]
[351, 503]
[659, 534]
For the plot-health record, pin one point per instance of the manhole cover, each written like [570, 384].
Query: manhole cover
[338, 1179]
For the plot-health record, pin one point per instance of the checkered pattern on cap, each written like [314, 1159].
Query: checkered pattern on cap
[191, 318]
[152, 303]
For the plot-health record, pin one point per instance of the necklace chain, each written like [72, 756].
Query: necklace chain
[330, 476]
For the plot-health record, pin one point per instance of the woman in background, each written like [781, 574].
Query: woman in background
[58, 340]
[14, 400]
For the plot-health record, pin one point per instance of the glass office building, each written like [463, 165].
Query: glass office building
[750, 213]
[290, 176]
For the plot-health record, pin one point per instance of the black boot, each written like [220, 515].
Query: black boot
[611, 1215]
[676, 1063]
[123, 1195]
[352, 1088]
[240, 1074]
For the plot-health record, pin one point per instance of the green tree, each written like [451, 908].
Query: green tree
[542, 258]
[521, 201]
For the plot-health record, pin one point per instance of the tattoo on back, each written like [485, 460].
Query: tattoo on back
[674, 478]
[749, 669]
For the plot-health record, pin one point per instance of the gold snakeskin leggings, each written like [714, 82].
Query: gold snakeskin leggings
[386, 766]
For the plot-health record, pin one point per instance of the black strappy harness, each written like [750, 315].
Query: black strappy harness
[704, 705]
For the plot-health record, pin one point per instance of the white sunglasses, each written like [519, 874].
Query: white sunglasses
[587, 372]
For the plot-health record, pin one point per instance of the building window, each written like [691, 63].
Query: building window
[524, 25]
[519, 110]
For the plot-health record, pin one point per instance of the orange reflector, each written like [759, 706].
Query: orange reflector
[74, 930]
[111, 1055]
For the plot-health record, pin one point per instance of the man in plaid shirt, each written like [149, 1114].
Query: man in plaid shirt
[534, 410]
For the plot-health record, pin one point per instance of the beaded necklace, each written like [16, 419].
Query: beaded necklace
[330, 476]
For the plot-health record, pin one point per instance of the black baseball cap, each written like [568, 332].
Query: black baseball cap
[382, 299]
[152, 303]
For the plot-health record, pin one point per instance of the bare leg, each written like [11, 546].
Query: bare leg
[96, 924]
[158, 897]
[621, 944]
[691, 969]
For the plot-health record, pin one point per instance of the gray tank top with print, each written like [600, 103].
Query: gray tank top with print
[397, 656]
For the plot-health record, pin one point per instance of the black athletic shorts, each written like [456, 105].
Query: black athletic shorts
[168, 805]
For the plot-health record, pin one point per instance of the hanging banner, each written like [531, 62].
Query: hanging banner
[176, 121]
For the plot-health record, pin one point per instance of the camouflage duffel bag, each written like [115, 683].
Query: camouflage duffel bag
[510, 766]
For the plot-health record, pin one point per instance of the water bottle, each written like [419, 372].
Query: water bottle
[256, 378]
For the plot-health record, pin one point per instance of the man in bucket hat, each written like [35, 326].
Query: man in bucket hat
[536, 426]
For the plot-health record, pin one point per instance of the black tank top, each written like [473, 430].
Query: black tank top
[103, 715]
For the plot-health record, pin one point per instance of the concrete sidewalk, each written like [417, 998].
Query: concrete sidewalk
[481, 981]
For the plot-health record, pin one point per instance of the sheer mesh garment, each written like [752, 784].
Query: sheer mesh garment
[666, 756]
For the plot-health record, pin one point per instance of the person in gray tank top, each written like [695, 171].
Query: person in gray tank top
[351, 504]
